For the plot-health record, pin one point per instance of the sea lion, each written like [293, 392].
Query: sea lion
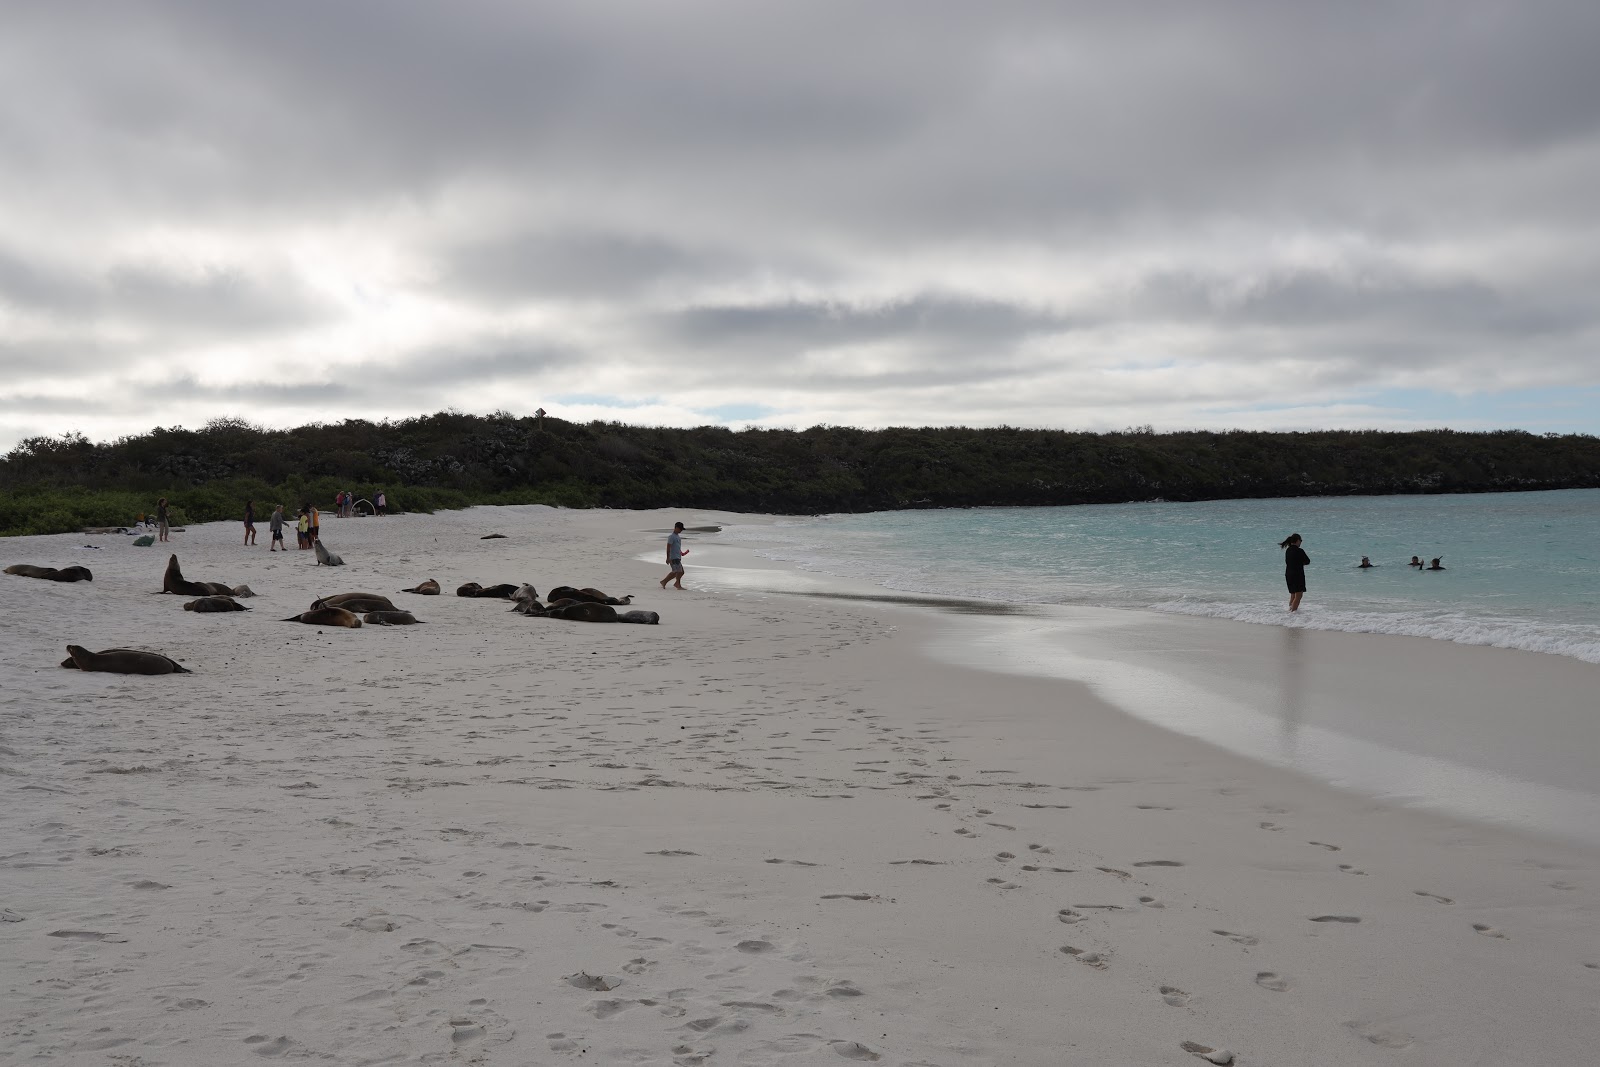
[327, 617]
[122, 661]
[503, 591]
[583, 611]
[243, 591]
[51, 574]
[173, 581]
[644, 618]
[427, 588]
[355, 602]
[528, 607]
[588, 595]
[324, 557]
[391, 618]
[215, 603]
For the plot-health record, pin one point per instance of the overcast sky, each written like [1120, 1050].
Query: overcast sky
[1277, 214]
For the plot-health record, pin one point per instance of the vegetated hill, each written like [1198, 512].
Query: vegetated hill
[452, 460]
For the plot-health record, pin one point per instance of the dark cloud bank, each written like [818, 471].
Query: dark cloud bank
[1269, 215]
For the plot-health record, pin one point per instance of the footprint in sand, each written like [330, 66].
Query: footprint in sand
[1381, 1035]
[1004, 856]
[854, 1050]
[1238, 939]
[1152, 807]
[276, 1046]
[1151, 902]
[1003, 884]
[1211, 1055]
[1068, 916]
[1347, 869]
[1053, 870]
[1269, 826]
[1489, 931]
[1097, 960]
[1433, 896]
[846, 896]
[797, 863]
[1174, 996]
[755, 946]
[1001, 825]
[1039, 849]
[1335, 918]
[1324, 844]
[1113, 870]
[922, 863]
[1275, 982]
[964, 832]
[1158, 863]
[1037, 807]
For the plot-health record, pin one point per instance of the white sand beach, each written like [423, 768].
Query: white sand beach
[773, 829]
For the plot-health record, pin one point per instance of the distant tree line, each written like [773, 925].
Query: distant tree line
[54, 484]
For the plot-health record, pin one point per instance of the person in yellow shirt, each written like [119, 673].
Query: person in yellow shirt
[316, 525]
[305, 528]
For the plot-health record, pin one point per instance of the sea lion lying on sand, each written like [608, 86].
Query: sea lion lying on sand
[587, 595]
[215, 603]
[51, 574]
[427, 588]
[391, 618]
[242, 590]
[174, 582]
[324, 557]
[492, 592]
[355, 602]
[326, 616]
[526, 601]
[586, 611]
[121, 661]
[643, 618]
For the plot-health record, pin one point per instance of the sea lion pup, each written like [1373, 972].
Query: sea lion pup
[391, 618]
[242, 591]
[355, 602]
[51, 574]
[324, 557]
[122, 661]
[427, 588]
[173, 581]
[644, 618]
[215, 603]
[469, 589]
[327, 617]
[583, 611]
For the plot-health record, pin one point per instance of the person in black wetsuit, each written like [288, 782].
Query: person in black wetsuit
[1365, 564]
[1294, 569]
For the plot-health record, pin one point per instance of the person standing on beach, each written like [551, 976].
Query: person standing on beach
[161, 518]
[675, 554]
[316, 524]
[303, 526]
[249, 522]
[1294, 569]
[381, 503]
[276, 525]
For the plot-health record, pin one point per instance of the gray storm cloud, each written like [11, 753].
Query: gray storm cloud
[1050, 214]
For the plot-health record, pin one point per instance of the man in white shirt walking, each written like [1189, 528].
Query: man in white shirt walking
[675, 554]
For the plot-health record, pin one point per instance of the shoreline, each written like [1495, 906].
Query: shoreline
[771, 829]
[1412, 721]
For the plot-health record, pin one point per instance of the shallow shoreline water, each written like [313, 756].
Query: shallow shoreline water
[1489, 734]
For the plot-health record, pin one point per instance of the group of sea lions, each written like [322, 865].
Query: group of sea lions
[51, 574]
[352, 609]
[579, 605]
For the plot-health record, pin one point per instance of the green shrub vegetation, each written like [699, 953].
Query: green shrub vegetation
[451, 460]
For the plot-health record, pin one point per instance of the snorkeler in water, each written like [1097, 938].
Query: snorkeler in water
[1436, 565]
[1365, 564]
[1415, 562]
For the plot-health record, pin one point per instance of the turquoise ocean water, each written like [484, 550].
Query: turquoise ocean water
[1523, 569]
